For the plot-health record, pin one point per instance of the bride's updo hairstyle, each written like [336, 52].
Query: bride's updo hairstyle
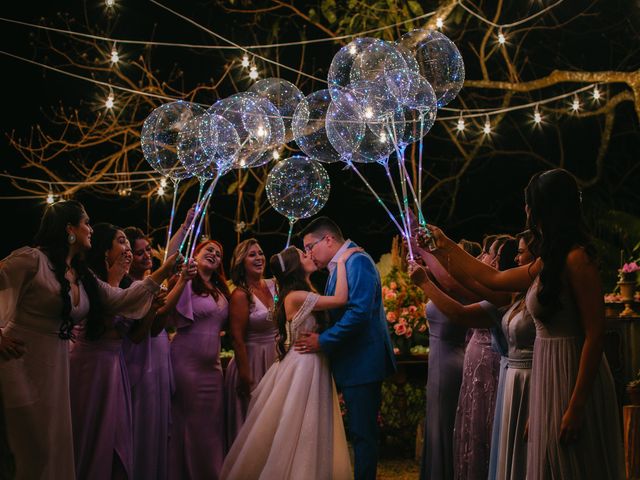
[290, 276]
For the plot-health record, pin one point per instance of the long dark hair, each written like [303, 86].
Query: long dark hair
[101, 242]
[237, 272]
[52, 239]
[218, 278]
[557, 224]
[507, 253]
[288, 279]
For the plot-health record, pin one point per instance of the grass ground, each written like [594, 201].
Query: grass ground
[398, 469]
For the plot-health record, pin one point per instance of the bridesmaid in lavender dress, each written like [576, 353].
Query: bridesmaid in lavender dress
[252, 330]
[196, 445]
[475, 408]
[44, 291]
[574, 425]
[98, 380]
[147, 355]
[477, 401]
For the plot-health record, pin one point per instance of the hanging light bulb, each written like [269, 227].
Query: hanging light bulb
[160, 191]
[368, 113]
[261, 132]
[575, 104]
[115, 58]
[597, 95]
[486, 129]
[537, 116]
[460, 125]
[501, 38]
[245, 61]
[353, 50]
[50, 197]
[383, 137]
[253, 73]
[110, 3]
[276, 155]
[109, 102]
[163, 182]
[439, 22]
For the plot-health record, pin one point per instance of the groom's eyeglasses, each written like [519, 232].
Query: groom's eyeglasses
[309, 247]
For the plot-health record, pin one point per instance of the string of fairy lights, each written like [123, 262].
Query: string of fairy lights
[461, 117]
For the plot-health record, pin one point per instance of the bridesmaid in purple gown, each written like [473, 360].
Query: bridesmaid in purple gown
[574, 427]
[44, 291]
[252, 331]
[197, 437]
[147, 355]
[98, 381]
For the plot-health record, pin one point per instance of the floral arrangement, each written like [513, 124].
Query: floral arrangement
[404, 305]
[628, 272]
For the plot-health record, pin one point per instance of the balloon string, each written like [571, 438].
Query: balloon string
[195, 219]
[189, 234]
[395, 192]
[292, 220]
[364, 180]
[173, 212]
[423, 222]
[399, 152]
[203, 215]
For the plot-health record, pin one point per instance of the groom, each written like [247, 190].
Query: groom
[357, 343]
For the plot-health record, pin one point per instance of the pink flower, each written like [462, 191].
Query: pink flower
[630, 267]
[384, 291]
[400, 329]
[390, 296]
[404, 311]
[392, 317]
[393, 286]
[413, 309]
[402, 321]
[396, 350]
[409, 332]
[422, 328]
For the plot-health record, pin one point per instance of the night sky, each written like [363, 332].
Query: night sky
[490, 198]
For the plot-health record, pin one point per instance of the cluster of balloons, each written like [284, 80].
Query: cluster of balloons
[381, 97]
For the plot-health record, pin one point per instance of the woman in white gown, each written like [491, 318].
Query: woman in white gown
[294, 427]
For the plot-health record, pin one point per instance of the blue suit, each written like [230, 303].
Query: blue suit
[361, 355]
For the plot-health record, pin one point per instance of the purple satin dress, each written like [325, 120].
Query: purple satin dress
[260, 342]
[100, 408]
[150, 377]
[197, 433]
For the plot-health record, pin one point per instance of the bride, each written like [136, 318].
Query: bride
[294, 427]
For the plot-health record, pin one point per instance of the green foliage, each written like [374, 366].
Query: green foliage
[354, 16]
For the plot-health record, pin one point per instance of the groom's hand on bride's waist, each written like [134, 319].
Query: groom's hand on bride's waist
[307, 343]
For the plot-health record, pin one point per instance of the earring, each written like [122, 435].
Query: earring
[71, 239]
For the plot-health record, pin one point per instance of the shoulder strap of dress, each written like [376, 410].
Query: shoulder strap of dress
[307, 306]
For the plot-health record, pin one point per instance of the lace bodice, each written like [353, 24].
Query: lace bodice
[303, 321]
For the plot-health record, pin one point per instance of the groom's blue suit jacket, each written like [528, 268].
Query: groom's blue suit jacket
[358, 343]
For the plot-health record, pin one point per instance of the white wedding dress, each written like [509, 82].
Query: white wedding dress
[294, 427]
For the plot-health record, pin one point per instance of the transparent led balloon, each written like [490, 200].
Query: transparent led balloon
[220, 142]
[309, 122]
[191, 149]
[276, 138]
[160, 136]
[345, 123]
[250, 122]
[298, 187]
[374, 61]
[439, 60]
[340, 69]
[284, 95]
